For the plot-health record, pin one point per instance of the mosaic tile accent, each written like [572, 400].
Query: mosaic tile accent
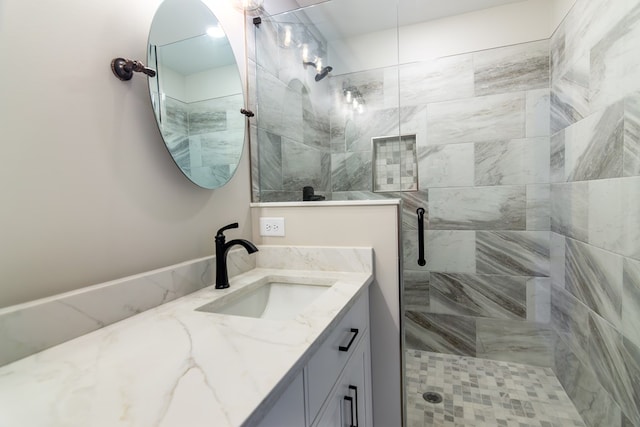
[395, 167]
[479, 393]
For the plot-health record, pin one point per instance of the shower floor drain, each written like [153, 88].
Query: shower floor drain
[432, 397]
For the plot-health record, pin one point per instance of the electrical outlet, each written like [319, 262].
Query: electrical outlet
[271, 226]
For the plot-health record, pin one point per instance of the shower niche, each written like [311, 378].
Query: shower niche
[395, 163]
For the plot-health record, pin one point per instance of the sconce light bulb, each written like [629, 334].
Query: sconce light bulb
[347, 97]
[319, 65]
[287, 36]
[250, 5]
[360, 109]
[355, 104]
[305, 53]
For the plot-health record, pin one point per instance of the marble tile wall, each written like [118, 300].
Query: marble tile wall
[483, 178]
[292, 115]
[595, 209]
[482, 122]
[529, 169]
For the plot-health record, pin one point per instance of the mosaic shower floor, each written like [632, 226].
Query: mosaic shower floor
[484, 393]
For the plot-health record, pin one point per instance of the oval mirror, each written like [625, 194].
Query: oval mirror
[197, 91]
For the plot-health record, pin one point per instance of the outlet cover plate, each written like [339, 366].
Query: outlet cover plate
[271, 226]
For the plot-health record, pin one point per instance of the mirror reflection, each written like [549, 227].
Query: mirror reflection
[197, 92]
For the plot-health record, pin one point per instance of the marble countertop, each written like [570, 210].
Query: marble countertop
[173, 365]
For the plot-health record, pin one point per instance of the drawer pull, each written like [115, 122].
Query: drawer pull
[355, 334]
[351, 405]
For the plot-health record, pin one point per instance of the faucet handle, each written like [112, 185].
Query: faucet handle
[225, 228]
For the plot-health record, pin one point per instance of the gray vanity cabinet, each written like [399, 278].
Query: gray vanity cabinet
[334, 388]
[349, 404]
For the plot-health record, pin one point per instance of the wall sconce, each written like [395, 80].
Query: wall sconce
[248, 5]
[353, 99]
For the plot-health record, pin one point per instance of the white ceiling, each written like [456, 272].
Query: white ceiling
[179, 30]
[348, 18]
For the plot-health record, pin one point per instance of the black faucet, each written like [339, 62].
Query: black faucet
[222, 278]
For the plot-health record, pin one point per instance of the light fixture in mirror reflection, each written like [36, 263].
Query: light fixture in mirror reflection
[197, 93]
[353, 100]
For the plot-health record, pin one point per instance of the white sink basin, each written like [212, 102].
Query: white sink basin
[270, 298]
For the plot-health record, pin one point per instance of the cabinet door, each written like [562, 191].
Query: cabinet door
[349, 404]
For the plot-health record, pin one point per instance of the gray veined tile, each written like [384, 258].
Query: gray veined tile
[609, 360]
[518, 161]
[538, 109]
[271, 92]
[207, 116]
[514, 341]
[591, 22]
[557, 259]
[391, 87]
[292, 123]
[631, 301]
[556, 168]
[216, 175]
[410, 250]
[440, 333]
[614, 215]
[570, 209]
[631, 357]
[413, 121]
[370, 124]
[437, 80]
[614, 60]
[215, 148]
[316, 126]
[632, 135]
[449, 165]
[557, 51]
[303, 166]
[502, 297]
[594, 277]
[254, 162]
[595, 405]
[593, 147]
[416, 290]
[270, 155]
[477, 208]
[517, 253]
[570, 95]
[539, 299]
[539, 207]
[570, 320]
[450, 251]
[180, 150]
[411, 201]
[484, 118]
[175, 116]
[351, 171]
[513, 68]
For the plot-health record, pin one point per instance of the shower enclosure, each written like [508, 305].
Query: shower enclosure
[526, 159]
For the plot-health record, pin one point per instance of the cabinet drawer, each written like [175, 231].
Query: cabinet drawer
[327, 363]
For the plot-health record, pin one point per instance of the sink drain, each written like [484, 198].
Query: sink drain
[432, 397]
